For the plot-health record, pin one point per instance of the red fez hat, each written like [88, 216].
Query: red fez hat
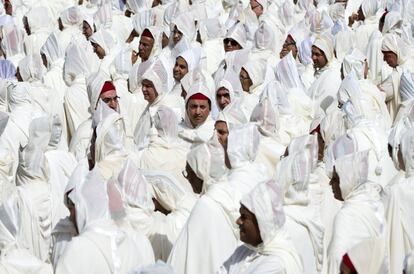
[107, 86]
[198, 96]
[347, 261]
[147, 33]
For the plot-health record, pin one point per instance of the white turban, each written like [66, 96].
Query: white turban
[324, 43]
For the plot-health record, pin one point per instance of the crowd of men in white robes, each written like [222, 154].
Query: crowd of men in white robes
[206, 136]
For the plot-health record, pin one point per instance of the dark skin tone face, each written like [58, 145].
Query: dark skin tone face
[44, 59]
[289, 46]
[180, 69]
[318, 58]
[230, 45]
[18, 76]
[177, 35]
[223, 98]
[8, 7]
[249, 228]
[321, 146]
[390, 58]
[400, 159]
[98, 50]
[145, 47]
[86, 30]
[165, 40]
[222, 135]
[131, 36]
[195, 182]
[335, 186]
[245, 80]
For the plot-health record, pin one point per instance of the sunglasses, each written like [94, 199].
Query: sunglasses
[232, 42]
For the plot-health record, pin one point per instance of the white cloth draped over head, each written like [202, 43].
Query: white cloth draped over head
[256, 70]
[184, 22]
[354, 61]
[52, 49]
[232, 115]
[392, 22]
[156, 33]
[231, 82]
[33, 166]
[142, 20]
[369, 8]
[71, 17]
[264, 38]
[305, 51]
[12, 43]
[105, 39]
[320, 22]
[207, 162]
[242, 145]
[266, 117]
[299, 33]
[392, 42]
[110, 153]
[94, 85]
[16, 258]
[38, 19]
[192, 57]
[265, 201]
[7, 70]
[157, 74]
[399, 217]
[80, 61]
[31, 68]
[324, 43]
[238, 33]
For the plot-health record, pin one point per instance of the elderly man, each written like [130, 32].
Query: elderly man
[198, 126]
[327, 77]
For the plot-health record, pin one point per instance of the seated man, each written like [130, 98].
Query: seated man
[267, 248]
[198, 126]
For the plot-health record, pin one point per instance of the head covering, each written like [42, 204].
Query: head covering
[369, 8]
[71, 16]
[287, 73]
[137, 5]
[156, 33]
[238, 33]
[91, 200]
[265, 201]
[134, 187]
[392, 22]
[320, 22]
[392, 42]
[33, 166]
[166, 189]
[324, 43]
[406, 86]
[95, 84]
[352, 170]
[80, 61]
[354, 61]
[31, 68]
[7, 70]
[266, 117]
[256, 70]
[142, 20]
[191, 57]
[236, 59]
[158, 75]
[232, 115]
[39, 19]
[207, 162]
[231, 82]
[305, 51]
[243, 143]
[299, 33]
[52, 49]
[185, 24]
[166, 124]
[12, 41]
[264, 37]
[105, 39]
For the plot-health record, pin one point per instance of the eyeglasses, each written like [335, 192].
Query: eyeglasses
[109, 99]
[232, 42]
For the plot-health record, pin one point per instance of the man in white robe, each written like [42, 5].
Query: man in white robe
[268, 247]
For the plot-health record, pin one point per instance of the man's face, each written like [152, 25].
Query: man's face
[256, 7]
[98, 50]
[334, 182]
[289, 46]
[245, 80]
[222, 132]
[249, 228]
[149, 92]
[8, 7]
[318, 58]
[223, 97]
[390, 58]
[86, 30]
[145, 47]
[110, 98]
[180, 69]
[197, 111]
[230, 45]
[177, 35]
[361, 16]
[195, 182]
